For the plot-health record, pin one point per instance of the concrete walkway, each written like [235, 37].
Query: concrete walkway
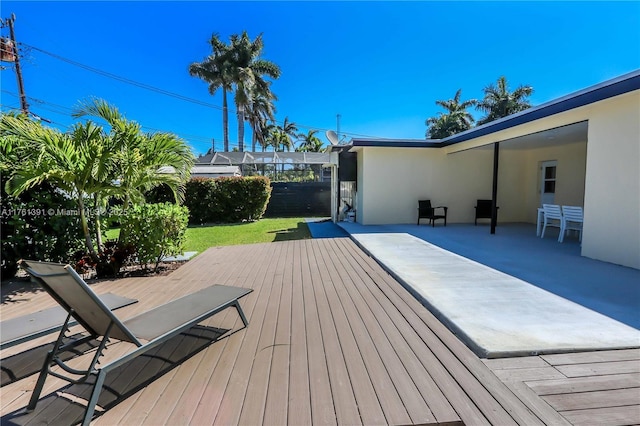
[495, 312]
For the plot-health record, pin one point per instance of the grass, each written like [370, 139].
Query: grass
[200, 238]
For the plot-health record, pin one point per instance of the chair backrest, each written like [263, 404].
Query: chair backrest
[552, 211]
[73, 294]
[572, 213]
[483, 208]
[424, 207]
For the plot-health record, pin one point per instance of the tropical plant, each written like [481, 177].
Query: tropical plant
[279, 139]
[259, 111]
[248, 73]
[142, 160]
[309, 142]
[456, 119]
[498, 102]
[75, 161]
[216, 69]
[155, 230]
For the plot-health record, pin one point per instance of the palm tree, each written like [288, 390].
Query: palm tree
[455, 120]
[248, 72]
[259, 110]
[266, 131]
[289, 131]
[498, 102]
[310, 142]
[216, 70]
[76, 162]
[279, 139]
[142, 161]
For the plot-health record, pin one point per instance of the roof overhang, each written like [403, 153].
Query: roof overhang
[358, 144]
[608, 89]
[552, 116]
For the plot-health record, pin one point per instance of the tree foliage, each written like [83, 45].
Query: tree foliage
[238, 67]
[499, 102]
[456, 119]
[90, 165]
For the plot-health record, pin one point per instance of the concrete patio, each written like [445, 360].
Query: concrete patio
[611, 290]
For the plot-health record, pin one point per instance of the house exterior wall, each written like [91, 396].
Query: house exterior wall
[612, 187]
[519, 179]
[392, 180]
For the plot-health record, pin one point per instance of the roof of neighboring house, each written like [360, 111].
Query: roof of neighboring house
[607, 89]
[237, 158]
[215, 169]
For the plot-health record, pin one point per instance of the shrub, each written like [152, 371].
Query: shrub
[198, 199]
[155, 231]
[227, 199]
[39, 224]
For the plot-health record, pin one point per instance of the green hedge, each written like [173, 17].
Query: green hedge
[227, 199]
[154, 231]
[40, 224]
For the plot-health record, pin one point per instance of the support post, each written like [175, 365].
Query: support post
[494, 190]
[23, 97]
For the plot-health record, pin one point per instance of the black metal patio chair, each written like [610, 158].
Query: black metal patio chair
[426, 211]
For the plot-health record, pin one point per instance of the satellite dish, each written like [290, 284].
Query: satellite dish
[332, 136]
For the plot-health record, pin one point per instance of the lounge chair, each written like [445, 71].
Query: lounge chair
[26, 327]
[146, 331]
[426, 211]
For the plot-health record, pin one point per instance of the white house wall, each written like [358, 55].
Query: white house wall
[612, 187]
[519, 180]
[392, 180]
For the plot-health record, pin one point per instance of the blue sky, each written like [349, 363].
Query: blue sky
[380, 65]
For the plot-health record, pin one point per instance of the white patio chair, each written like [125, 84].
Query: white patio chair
[572, 219]
[552, 217]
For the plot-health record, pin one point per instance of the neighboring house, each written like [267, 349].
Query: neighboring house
[589, 141]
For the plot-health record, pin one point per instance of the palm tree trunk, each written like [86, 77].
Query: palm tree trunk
[225, 120]
[98, 229]
[85, 229]
[254, 139]
[241, 129]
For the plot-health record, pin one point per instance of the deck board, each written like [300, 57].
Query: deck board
[592, 388]
[332, 339]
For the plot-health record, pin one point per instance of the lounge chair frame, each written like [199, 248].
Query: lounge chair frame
[102, 324]
[21, 329]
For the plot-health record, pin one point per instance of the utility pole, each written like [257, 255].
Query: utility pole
[23, 97]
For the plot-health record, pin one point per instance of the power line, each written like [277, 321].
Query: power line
[67, 111]
[166, 92]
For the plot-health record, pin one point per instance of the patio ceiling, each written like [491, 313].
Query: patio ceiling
[572, 133]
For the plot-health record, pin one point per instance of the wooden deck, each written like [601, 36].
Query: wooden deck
[595, 388]
[332, 339]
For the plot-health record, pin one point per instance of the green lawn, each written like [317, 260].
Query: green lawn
[200, 238]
